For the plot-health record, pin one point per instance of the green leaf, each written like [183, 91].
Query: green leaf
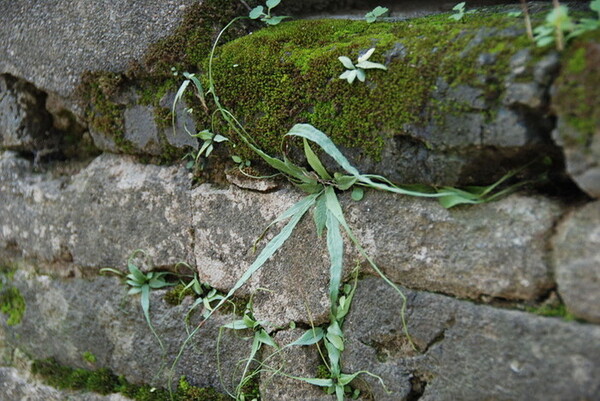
[335, 247]
[349, 75]
[219, 138]
[367, 65]
[145, 302]
[310, 337]
[333, 354]
[265, 338]
[320, 215]
[344, 182]
[274, 20]
[257, 12]
[366, 56]
[377, 12]
[134, 290]
[346, 62]
[336, 340]
[357, 193]
[236, 159]
[300, 208]
[111, 270]
[315, 381]
[450, 201]
[595, 6]
[459, 6]
[237, 325]
[137, 273]
[339, 392]
[272, 3]
[312, 134]
[360, 74]
[250, 323]
[314, 161]
[158, 283]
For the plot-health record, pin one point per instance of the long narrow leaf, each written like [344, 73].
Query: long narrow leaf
[335, 247]
[311, 133]
[314, 161]
[310, 337]
[301, 208]
[334, 206]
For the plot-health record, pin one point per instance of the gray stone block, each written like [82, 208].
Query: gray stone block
[576, 260]
[467, 351]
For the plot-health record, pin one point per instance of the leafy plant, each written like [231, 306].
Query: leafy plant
[460, 11]
[322, 188]
[587, 24]
[259, 13]
[142, 283]
[376, 13]
[553, 30]
[259, 338]
[358, 70]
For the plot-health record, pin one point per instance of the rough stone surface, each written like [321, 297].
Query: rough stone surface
[24, 122]
[65, 318]
[496, 249]
[577, 261]
[184, 124]
[468, 351]
[577, 106]
[16, 385]
[582, 160]
[99, 216]
[295, 361]
[53, 43]
[228, 224]
[141, 130]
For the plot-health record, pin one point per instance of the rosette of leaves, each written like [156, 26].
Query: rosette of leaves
[258, 12]
[358, 70]
[376, 13]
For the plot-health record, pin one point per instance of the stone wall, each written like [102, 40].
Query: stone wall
[502, 298]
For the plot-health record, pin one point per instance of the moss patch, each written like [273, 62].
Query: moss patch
[287, 74]
[12, 303]
[103, 381]
[578, 96]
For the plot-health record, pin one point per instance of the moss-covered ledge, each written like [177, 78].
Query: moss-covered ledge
[460, 102]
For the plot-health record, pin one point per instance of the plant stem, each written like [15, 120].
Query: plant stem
[560, 41]
[525, 9]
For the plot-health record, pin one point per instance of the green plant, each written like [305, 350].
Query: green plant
[142, 283]
[460, 11]
[12, 304]
[587, 24]
[376, 13]
[322, 188]
[553, 30]
[259, 13]
[259, 338]
[358, 70]
[89, 357]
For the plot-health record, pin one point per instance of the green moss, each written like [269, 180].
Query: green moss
[559, 310]
[187, 392]
[177, 293]
[104, 115]
[287, 74]
[104, 381]
[577, 98]
[89, 357]
[12, 304]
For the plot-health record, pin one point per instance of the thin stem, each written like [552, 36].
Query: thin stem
[525, 9]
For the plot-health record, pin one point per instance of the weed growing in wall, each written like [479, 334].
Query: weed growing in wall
[322, 188]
